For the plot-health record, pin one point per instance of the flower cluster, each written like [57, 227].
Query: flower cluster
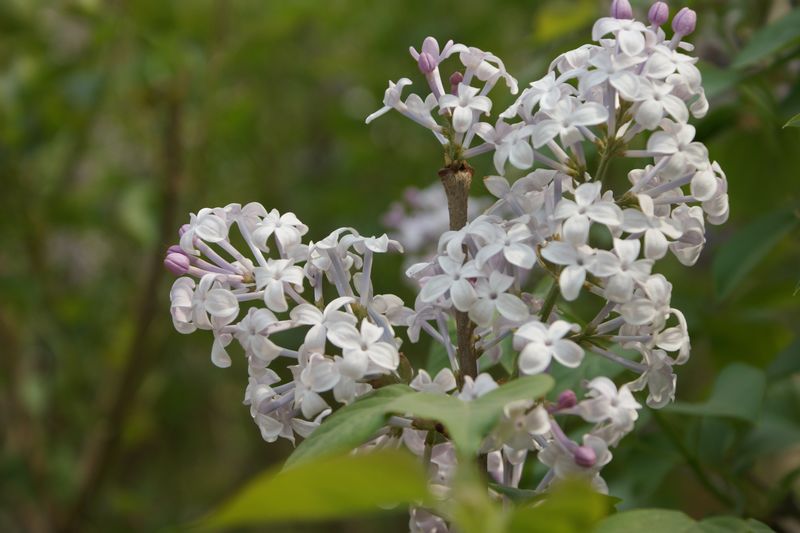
[255, 297]
[565, 231]
[628, 95]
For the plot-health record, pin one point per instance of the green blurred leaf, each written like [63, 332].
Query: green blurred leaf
[793, 122]
[348, 427]
[515, 495]
[437, 354]
[334, 487]
[437, 359]
[729, 524]
[650, 520]
[716, 80]
[737, 257]
[787, 362]
[471, 509]
[770, 39]
[469, 422]
[738, 393]
[668, 521]
[572, 507]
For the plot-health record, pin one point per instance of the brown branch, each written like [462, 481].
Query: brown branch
[103, 444]
[457, 179]
[22, 432]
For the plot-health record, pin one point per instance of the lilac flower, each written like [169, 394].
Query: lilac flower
[541, 343]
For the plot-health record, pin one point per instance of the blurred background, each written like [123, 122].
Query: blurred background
[118, 118]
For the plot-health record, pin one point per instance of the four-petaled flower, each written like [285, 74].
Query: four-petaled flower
[540, 343]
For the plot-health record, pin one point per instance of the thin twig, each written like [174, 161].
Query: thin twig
[104, 442]
[457, 179]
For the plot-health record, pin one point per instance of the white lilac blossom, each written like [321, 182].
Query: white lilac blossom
[495, 283]
[255, 295]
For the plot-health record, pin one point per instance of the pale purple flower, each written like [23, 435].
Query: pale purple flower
[587, 207]
[464, 106]
[621, 269]
[541, 343]
[492, 298]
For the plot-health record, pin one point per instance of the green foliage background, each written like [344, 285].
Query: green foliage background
[118, 118]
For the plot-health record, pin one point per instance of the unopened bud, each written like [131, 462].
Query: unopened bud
[684, 22]
[585, 456]
[183, 229]
[177, 263]
[455, 80]
[426, 63]
[175, 249]
[621, 9]
[658, 14]
[430, 45]
[567, 399]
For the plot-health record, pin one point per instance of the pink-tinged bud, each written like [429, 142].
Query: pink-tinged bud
[585, 456]
[183, 229]
[567, 399]
[621, 9]
[426, 63]
[684, 22]
[658, 14]
[455, 80]
[430, 45]
[175, 249]
[176, 263]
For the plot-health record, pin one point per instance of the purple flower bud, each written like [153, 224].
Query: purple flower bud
[426, 63]
[658, 14]
[621, 9]
[430, 46]
[175, 249]
[177, 263]
[684, 22]
[585, 456]
[455, 79]
[183, 229]
[567, 399]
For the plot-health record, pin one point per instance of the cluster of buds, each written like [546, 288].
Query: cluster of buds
[562, 232]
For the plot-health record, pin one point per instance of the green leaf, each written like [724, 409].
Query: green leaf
[649, 520]
[770, 39]
[450, 411]
[729, 524]
[667, 521]
[793, 122]
[737, 257]
[437, 359]
[437, 354]
[350, 426]
[716, 80]
[738, 393]
[334, 487]
[515, 495]
[786, 363]
[469, 422]
[572, 507]
[470, 508]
